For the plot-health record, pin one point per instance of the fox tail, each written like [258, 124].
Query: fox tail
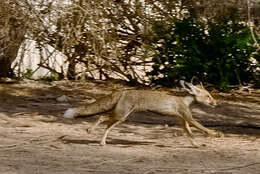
[100, 106]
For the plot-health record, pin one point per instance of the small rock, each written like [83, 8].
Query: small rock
[62, 98]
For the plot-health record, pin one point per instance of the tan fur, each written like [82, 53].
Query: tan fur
[123, 103]
[102, 105]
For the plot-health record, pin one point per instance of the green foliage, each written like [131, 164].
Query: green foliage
[218, 53]
[28, 73]
[52, 77]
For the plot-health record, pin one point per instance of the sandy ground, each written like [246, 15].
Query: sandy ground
[35, 139]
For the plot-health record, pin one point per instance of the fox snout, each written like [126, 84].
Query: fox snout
[212, 102]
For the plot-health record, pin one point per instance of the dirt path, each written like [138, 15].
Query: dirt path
[35, 139]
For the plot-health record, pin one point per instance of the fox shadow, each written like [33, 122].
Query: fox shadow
[111, 141]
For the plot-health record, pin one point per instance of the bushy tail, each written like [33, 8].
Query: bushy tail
[101, 105]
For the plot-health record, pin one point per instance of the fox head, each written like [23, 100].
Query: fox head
[200, 93]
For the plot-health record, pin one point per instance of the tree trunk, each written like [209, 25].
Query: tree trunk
[71, 73]
[11, 38]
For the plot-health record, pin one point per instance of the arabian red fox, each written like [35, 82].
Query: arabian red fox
[123, 103]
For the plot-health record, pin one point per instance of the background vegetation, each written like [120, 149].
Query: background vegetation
[148, 41]
[219, 53]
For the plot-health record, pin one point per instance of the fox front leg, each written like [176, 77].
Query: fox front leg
[187, 128]
[189, 133]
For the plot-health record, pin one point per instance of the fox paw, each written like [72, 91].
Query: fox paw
[102, 143]
[216, 134]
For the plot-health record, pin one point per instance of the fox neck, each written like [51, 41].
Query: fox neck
[187, 100]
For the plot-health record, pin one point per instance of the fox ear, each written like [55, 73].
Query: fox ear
[202, 85]
[185, 85]
[191, 88]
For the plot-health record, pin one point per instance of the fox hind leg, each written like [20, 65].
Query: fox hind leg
[113, 121]
[109, 127]
[101, 119]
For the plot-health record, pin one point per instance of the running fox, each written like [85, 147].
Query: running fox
[123, 103]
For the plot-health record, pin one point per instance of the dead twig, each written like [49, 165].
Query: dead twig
[239, 167]
[155, 170]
